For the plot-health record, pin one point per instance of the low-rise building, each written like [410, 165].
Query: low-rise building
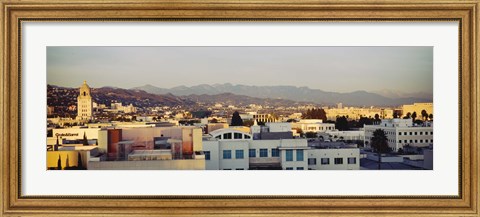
[401, 132]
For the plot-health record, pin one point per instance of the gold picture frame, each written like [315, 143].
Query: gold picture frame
[466, 13]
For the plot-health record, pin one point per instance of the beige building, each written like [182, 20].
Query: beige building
[84, 103]
[354, 113]
[418, 107]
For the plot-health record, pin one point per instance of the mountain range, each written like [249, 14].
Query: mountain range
[292, 93]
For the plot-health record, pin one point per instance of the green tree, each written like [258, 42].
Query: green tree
[59, 163]
[79, 161]
[424, 115]
[236, 119]
[414, 116]
[430, 116]
[379, 144]
[341, 123]
[315, 114]
[85, 140]
[408, 116]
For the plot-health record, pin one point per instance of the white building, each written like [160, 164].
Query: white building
[313, 125]
[334, 159]
[231, 149]
[84, 103]
[401, 132]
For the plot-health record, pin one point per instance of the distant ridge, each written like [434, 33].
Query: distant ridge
[298, 94]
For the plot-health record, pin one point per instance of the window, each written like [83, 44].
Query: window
[227, 136]
[404, 133]
[411, 141]
[252, 153]
[299, 168]
[399, 141]
[299, 155]
[247, 137]
[289, 155]
[227, 154]
[339, 160]
[404, 141]
[421, 133]
[415, 133]
[207, 155]
[275, 152]
[218, 137]
[239, 154]
[416, 141]
[410, 133]
[399, 133]
[239, 169]
[289, 168]
[325, 161]
[263, 152]
[431, 133]
[312, 161]
[421, 140]
[237, 135]
[352, 160]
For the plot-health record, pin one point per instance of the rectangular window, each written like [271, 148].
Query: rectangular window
[238, 154]
[247, 137]
[237, 135]
[404, 141]
[207, 155]
[339, 160]
[299, 168]
[299, 155]
[227, 154]
[410, 133]
[252, 153]
[399, 141]
[263, 152]
[289, 155]
[431, 133]
[399, 133]
[404, 133]
[415, 133]
[312, 161]
[275, 152]
[421, 140]
[325, 161]
[421, 133]
[352, 160]
[416, 141]
[289, 168]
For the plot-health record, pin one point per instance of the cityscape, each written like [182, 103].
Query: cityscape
[239, 108]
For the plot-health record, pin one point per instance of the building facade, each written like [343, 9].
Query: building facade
[402, 132]
[84, 103]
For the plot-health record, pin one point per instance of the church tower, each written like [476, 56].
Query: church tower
[84, 103]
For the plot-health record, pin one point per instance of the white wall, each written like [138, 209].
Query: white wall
[331, 154]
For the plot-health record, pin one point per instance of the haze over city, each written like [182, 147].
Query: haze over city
[336, 69]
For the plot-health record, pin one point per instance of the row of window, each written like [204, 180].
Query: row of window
[415, 133]
[416, 141]
[291, 168]
[337, 160]
[289, 155]
[227, 154]
[235, 136]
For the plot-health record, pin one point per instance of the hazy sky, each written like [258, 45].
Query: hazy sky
[339, 69]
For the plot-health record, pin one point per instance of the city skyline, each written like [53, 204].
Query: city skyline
[335, 69]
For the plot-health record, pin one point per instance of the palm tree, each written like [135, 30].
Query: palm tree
[379, 144]
[424, 114]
